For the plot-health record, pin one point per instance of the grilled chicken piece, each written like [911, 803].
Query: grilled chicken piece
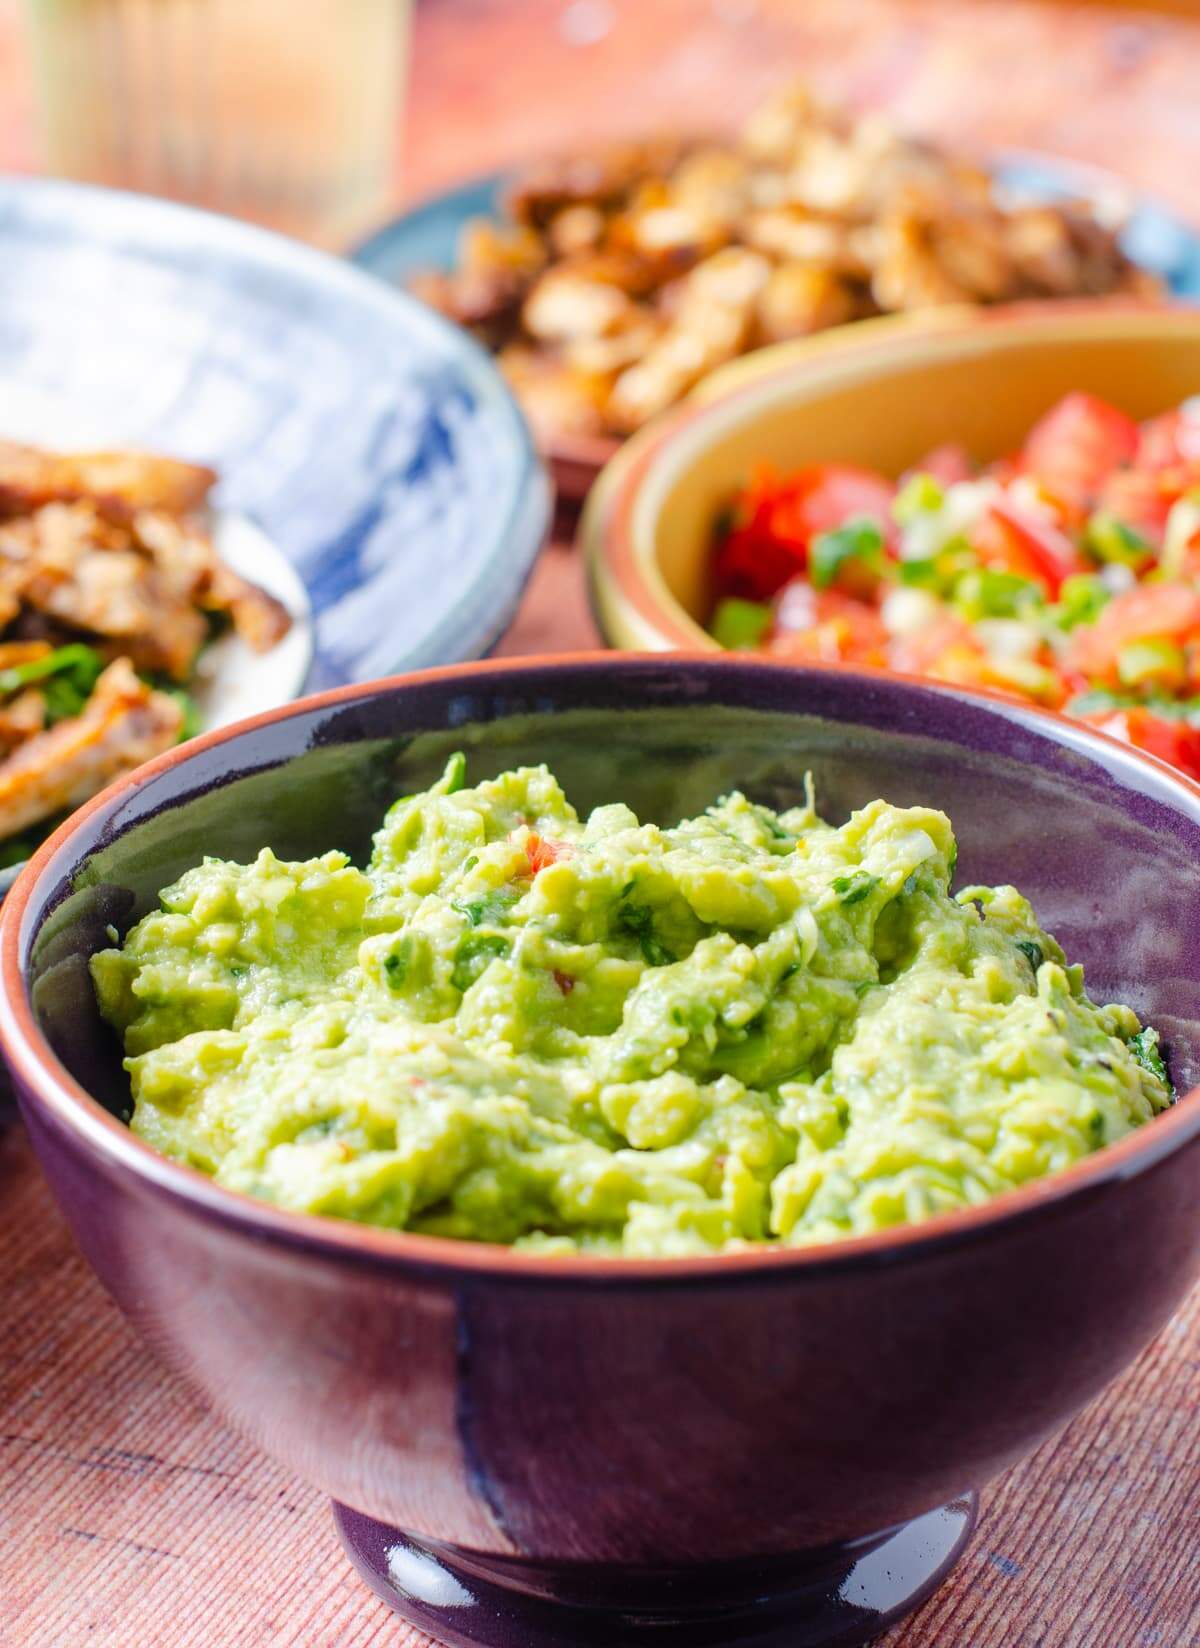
[22, 717]
[601, 178]
[567, 304]
[496, 267]
[557, 397]
[576, 230]
[582, 286]
[12, 583]
[76, 577]
[800, 298]
[711, 323]
[199, 576]
[119, 483]
[124, 724]
[143, 589]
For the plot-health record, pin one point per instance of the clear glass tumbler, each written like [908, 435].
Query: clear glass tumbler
[283, 111]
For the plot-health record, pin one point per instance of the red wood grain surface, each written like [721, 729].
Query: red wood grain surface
[128, 1517]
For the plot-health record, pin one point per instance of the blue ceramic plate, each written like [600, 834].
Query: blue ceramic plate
[360, 438]
[427, 238]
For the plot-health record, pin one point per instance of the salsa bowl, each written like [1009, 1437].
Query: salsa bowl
[882, 395]
[768, 1447]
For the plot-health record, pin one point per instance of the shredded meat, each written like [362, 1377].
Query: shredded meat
[106, 556]
[125, 723]
[142, 588]
[21, 718]
[187, 556]
[119, 482]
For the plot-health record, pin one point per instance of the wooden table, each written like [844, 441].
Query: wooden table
[128, 1518]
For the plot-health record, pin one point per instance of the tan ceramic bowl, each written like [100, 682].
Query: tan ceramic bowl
[879, 394]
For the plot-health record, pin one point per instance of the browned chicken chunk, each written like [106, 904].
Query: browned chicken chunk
[30, 477]
[125, 723]
[104, 556]
[595, 288]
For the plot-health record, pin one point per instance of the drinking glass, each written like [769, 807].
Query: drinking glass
[283, 111]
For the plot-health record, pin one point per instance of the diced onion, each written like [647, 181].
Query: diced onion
[906, 611]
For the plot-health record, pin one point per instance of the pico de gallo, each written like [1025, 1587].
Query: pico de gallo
[1067, 573]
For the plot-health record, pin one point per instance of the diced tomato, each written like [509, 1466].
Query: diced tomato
[1170, 440]
[1174, 741]
[751, 565]
[921, 652]
[826, 627]
[564, 981]
[1076, 445]
[1142, 499]
[1151, 611]
[948, 464]
[828, 495]
[778, 519]
[1017, 541]
[542, 852]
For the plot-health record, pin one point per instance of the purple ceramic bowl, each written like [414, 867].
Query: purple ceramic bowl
[773, 1447]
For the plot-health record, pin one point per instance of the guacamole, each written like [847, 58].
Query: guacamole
[517, 1026]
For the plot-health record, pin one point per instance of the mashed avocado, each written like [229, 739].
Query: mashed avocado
[516, 1026]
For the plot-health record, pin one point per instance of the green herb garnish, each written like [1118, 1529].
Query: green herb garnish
[853, 888]
[1033, 952]
[738, 624]
[986, 592]
[1113, 540]
[396, 964]
[488, 911]
[474, 955]
[858, 541]
[1081, 600]
[69, 673]
[1145, 1049]
[455, 775]
[1100, 699]
[921, 494]
[193, 721]
[636, 919]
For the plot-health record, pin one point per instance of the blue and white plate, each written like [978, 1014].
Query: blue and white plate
[375, 470]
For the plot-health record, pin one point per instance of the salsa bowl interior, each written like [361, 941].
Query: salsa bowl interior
[1106, 844]
[881, 401]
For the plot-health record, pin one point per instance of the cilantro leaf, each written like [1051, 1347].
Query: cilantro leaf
[853, 888]
[1145, 1049]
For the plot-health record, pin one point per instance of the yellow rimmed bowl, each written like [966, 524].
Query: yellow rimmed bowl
[879, 394]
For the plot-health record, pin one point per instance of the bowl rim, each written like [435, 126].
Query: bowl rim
[623, 570]
[49, 1087]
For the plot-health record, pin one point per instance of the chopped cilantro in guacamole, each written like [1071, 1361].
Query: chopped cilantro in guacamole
[517, 1025]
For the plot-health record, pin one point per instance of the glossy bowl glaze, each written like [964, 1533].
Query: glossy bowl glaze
[768, 1448]
[881, 393]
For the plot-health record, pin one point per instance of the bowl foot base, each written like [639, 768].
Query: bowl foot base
[831, 1599]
